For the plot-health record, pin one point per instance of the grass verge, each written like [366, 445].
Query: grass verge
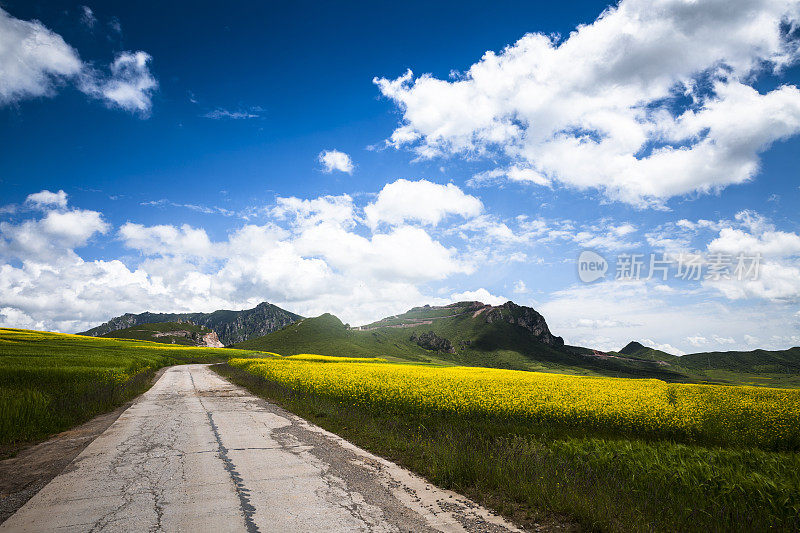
[50, 382]
[533, 476]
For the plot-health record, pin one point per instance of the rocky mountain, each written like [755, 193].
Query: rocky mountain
[432, 341]
[182, 333]
[470, 333]
[230, 326]
[524, 317]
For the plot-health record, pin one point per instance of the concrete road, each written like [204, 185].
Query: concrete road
[197, 453]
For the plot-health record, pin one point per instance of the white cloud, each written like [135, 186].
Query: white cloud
[597, 109]
[489, 229]
[130, 85]
[54, 235]
[699, 340]
[321, 255]
[520, 287]
[166, 240]
[664, 347]
[336, 210]
[46, 198]
[335, 160]
[205, 209]
[749, 240]
[513, 173]
[751, 340]
[723, 340]
[759, 237]
[751, 235]
[87, 17]
[641, 311]
[33, 59]
[315, 256]
[242, 114]
[479, 295]
[603, 234]
[776, 281]
[420, 201]
[606, 236]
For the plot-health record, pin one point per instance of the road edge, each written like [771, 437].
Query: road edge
[34, 466]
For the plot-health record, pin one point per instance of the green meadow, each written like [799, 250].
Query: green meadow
[51, 381]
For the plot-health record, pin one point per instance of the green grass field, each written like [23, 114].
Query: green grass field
[51, 381]
[615, 471]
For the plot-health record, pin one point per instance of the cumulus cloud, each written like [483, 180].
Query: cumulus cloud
[335, 160]
[603, 234]
[167, 240]
[479, 295]
[606, 236]
[756, 237]
[420, 201]
[758, 260]
[664, 347]
[336, 210]
[750, 235]
[55, 235]
[130, 85]
[34, 61]
[47, 199]
[650, 101]
[639, 310]
[313, 256]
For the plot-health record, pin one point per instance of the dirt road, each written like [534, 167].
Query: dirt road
[197, 453]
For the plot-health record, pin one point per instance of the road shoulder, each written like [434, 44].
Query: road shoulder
[34, 466]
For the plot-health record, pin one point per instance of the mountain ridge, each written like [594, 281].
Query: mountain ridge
[463, 333]
[230, 326]
[181, 333]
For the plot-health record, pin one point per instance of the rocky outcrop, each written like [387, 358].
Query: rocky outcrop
[211, 340]
[203, 338]
[230, 326]
[525, 317]
[432, 341]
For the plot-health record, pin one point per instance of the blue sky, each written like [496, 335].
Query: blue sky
[361, 160]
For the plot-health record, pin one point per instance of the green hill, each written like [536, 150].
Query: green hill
[327, 335]
[780, 368]
[463, 333]
[637, 350]
[181, 333]
[230, 326]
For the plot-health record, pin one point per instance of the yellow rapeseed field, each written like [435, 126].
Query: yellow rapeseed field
[727, 415]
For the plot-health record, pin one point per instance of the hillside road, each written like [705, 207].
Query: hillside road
[196, 453]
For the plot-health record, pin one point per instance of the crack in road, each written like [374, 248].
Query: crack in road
[247, 508]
